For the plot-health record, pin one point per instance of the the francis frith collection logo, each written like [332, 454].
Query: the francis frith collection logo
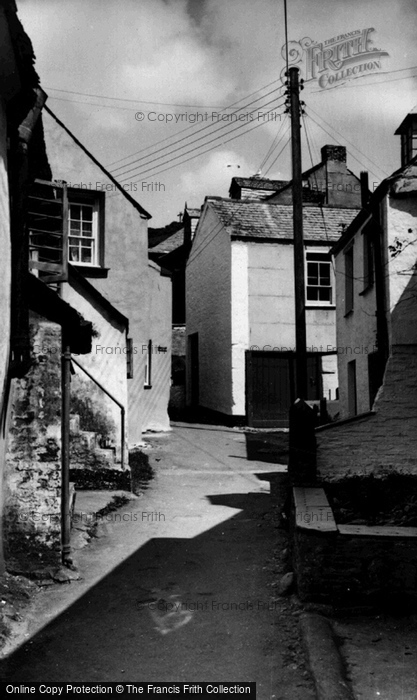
[336, 60]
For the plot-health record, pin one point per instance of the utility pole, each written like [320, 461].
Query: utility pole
[299, 276]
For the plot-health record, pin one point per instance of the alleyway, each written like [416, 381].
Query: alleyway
[183, 588]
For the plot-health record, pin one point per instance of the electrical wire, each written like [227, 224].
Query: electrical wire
[281, 151]
[196, 155]
[149, 102]
[272, 147]
[204, 128]
[217, 138]
[357, 84]
[332, 137]
[192, 126]
[347, 141]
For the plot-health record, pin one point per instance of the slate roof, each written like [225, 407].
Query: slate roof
[193, 213]
[169, 244]
[259, 183]
[249, 219]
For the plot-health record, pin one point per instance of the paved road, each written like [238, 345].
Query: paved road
[181, 585]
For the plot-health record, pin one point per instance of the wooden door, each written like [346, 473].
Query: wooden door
[269, 388]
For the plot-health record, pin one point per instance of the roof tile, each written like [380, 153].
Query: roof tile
[262, 220]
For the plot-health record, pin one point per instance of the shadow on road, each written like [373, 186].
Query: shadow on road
[177, 609]
[268, 447]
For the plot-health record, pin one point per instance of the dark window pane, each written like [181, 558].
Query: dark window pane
[325, 293]
[75, 211]
[85, 255]
[87, 213]
[74, 254]
[74, 226]
[87, 229]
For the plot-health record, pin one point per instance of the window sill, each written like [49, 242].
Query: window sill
[312, 305]
[147, 386]
[94, 271]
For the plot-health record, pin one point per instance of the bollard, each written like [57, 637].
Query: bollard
[302, 443]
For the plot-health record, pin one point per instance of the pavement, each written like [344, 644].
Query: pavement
[183, 584]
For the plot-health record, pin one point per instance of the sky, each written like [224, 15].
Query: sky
[145, 85]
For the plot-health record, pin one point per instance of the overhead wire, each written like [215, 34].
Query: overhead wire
[360, 84]
[149, 102]
[347, 141]
[281, 151]
[204, 128]
[272, 146]
[192, 126]
[333, 137]
[240, 126]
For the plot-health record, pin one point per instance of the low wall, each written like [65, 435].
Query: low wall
[350, 565]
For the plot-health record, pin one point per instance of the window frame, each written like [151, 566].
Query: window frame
[311, 303]
[348, 255]
[368, 258]
[82, 197]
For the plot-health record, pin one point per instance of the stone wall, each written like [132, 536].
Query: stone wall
[32, 523]
[352, 570]
[378, 442]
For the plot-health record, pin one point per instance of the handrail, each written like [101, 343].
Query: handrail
[120, 405]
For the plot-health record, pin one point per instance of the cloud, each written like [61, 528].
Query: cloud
[213, 175]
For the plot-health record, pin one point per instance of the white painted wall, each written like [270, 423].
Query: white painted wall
[400, 218]
[356, 332]
[107, 360]
[209, 310]
[240, 324]
[131, 286]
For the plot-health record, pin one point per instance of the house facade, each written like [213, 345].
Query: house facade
[74, 258]
[376, 282]
[169, 247]
[108, 246]
[240, 308]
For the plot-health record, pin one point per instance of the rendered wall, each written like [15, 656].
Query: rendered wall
[209, 312]
[356, 331]
[129, 283]
[155, 401]
[271, 309]
[106, 363]
[383, 442]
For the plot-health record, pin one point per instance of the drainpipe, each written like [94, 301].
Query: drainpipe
[65, 455]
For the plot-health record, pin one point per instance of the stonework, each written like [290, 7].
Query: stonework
[32, 522]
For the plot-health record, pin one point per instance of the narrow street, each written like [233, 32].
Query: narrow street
[181, 586]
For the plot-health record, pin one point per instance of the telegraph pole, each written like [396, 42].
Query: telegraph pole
[297, 198]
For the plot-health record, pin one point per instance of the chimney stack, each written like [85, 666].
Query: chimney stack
[337, 153]
[408, 132]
